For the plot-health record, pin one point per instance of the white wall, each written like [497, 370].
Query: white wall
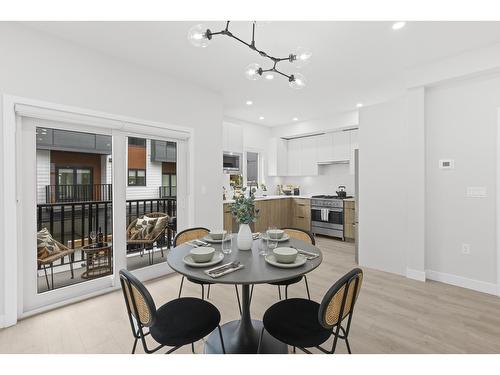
[329, 178]
[461, 124]
[383, 211]
[2, 234]
[41, 67]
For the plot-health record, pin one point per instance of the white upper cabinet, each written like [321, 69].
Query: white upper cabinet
[232, 137]
[341, 146]
[277, 157]
[354, 145]
[294, 158]
[325, 147]
[309, 156]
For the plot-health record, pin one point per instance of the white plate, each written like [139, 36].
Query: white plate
[285, 237]
[299, 261]
[217, 258]
[211, 240]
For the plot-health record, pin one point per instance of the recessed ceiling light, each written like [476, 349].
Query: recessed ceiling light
[359, 105]
[295, 119]
[398, 25]
[249, 102]
[261, 118]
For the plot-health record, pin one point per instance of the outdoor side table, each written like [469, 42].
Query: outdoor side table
[98, 260]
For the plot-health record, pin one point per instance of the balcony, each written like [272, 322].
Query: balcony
[73, 212]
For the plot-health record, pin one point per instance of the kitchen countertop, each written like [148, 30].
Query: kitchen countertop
[270, 197]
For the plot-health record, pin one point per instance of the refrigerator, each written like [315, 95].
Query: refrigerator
[356, 205]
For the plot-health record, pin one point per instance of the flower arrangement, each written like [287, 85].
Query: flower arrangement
[243, 209]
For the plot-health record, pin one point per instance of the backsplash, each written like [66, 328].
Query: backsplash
[329, 178]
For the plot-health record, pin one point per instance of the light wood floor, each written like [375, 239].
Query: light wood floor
[393, 314]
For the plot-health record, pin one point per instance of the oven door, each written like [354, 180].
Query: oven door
[321, 215]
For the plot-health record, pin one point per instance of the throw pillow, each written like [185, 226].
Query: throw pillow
[46, 246]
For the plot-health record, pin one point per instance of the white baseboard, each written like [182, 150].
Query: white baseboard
[480, 286]
[415, 274]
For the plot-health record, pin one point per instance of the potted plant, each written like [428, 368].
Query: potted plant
[243, 210]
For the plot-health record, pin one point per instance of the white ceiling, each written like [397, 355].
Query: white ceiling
[352, 61]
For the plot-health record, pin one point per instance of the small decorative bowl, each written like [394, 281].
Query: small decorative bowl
[202, 254]
[285, 254]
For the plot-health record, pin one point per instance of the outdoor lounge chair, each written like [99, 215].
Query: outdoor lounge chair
[148, 242]
[48, 261]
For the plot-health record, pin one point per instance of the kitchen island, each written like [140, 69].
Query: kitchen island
[281, 211]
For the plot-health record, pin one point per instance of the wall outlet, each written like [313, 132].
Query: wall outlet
[466, 248]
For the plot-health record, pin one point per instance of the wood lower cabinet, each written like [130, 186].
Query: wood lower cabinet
[279, 212]
[301, 214]
[349, 217]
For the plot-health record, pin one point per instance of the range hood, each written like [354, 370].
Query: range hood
[328, 162]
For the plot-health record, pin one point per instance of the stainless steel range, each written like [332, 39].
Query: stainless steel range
[327, 215]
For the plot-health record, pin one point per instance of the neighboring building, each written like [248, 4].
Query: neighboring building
[73, 166]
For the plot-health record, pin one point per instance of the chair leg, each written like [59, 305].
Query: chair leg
[46, 277]
[238, 297]
[52, 275]
[71, 268]
[202, 292]
[208, 292]
[348, 346]
[260, 340]
[286, 291]
[192, 347]
[221, 340]
[135, 345]
[251, 293]
[180, 289]
[279, 292]
[307, 288]
[294, 350]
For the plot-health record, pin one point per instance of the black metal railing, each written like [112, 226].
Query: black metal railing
[71, 223]
[78, 193]
[167, 191]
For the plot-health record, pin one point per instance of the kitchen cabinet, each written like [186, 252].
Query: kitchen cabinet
[341, 146]
[277, 157]
[349, 217]
[229, 222]
[301, 212]
[302, 157]
[280, 213]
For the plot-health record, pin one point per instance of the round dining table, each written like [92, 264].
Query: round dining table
[242, 336]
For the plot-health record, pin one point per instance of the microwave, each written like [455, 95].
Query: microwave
[232, 162]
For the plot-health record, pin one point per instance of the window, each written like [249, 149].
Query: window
[139, 142]
[169, 185]
[252, 169]
[136, 177]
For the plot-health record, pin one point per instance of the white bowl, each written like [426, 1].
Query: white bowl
[275, 234]
[285, 254]
[202, 254]
[217, 234]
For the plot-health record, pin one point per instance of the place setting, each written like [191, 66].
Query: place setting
[202, 255]
[283, 256]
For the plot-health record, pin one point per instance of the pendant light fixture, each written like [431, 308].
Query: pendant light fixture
[200, 36]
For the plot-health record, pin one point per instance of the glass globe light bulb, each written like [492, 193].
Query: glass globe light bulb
[197, 36]
[299, 81]
[252, 72]
[268, 76]
[302, 57]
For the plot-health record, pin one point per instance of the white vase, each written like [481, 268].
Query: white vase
[245, 237]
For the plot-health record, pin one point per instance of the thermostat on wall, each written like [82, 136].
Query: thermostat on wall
[446, 164]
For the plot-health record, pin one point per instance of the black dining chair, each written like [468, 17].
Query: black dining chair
[177, 323]
[189, 235]
[303, 323]
[305, 236]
